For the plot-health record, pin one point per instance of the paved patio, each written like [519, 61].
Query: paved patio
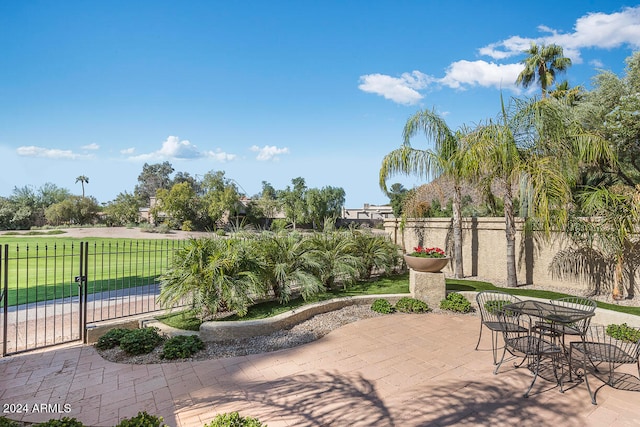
[399, 370]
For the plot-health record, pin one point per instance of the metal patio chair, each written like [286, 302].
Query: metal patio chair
[577, 328]
[601, 355]
[532, 345]
[489, 304]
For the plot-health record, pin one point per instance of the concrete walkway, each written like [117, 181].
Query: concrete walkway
[397, 370]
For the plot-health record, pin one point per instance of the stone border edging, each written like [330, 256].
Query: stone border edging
[225, 330]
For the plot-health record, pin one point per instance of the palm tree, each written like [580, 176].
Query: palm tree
[218, 274]
[446, 160]
[533, 145]
[287, 264]
[82, 179]
[542, 64]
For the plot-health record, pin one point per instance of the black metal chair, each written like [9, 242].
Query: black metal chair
[601, 354]
[532, 345]
[578, 328]
[489, 304]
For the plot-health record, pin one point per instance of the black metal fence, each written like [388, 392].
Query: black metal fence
[50, 293]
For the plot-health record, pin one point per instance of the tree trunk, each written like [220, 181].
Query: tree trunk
[510, 229]
[457, 232]
[617, 278]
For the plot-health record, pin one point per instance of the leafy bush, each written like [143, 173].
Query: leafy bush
[234, 419]
[6, 422]
[382, 306]
[62, 422]
[140, 341]
[142, 420]
[111, 339]
[495, 305]
[411, 305]
[456, 302]
[181, 346]
[623, 332]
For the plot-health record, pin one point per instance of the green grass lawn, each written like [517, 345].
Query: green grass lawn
[398, 284]
[41, 268]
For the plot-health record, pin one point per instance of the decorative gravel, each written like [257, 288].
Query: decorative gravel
[302, 333]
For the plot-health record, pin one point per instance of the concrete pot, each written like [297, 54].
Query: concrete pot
[425, 265]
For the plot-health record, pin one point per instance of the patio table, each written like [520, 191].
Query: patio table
[551, 314]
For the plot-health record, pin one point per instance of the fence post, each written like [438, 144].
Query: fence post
[4, 269]
[81, 279]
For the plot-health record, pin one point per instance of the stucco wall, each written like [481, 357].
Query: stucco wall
[484, 250]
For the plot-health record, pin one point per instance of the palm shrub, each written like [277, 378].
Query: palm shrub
[216, 274]
[334, 251]
[287, 265]
[376, 252]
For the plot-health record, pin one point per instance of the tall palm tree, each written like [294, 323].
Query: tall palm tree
[446, 160]
[542, 64]
[535, 146]
[82, 179]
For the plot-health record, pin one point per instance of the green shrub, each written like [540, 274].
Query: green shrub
[411, 305]
[382, 306]
[495, 305]
[456, 302]
[111, 339]
[6, 422]
[623, 332]
[140, 341]
[142, 420]
[234, 419]
[62, 422]
[181, 347]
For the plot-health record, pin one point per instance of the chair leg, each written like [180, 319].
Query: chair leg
[504, 352]
[535, 376]
[494, 346]
[479, 337]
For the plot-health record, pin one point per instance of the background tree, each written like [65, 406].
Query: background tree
[324, 204]
[448, 159]
[293, 201]
[220, 197]
[542, 65]
[73, 210]
[152, 178]
[180, 204]
[124, 210]
[82, 179]
[397, 195]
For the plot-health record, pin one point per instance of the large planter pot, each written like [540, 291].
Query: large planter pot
[425, 265]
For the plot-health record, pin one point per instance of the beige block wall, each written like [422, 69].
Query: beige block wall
[484, 249]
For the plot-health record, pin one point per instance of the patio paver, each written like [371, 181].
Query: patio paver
[399, 370]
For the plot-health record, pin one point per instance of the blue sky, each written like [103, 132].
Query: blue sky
[266, 90]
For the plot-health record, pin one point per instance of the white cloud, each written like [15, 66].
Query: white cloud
[269, 152]
[481, 73]
[594, 30]
[50, 153]
[174, 148]
[403, 89]
[130, 150]
[92, 146]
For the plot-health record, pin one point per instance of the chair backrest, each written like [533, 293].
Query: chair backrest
[491, 302]
[617, 344]
[580, 303]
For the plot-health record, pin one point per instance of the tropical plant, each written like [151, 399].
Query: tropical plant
[382, 306]
[534, 145]
[446, 160]
[287, 264]
[82, 179]
[140, 341]
[217, 274]
[542, 65]
[411, 305]
[334, 254]
[234, 419]
[456, 302]
[376, 252]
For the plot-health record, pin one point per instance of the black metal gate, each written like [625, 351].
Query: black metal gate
[44, 291]
[50, 293]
